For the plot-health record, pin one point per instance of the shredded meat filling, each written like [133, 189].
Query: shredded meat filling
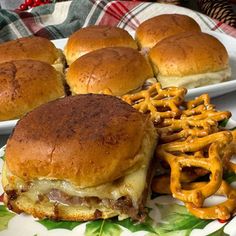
[123, 204]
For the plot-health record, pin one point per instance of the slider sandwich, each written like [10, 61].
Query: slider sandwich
[190, 60]
[95, 37]
[33, 48]
[119, 70]
[163, 26]
[81, 157]
[26, 84]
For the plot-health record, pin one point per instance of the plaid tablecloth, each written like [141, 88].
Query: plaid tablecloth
[59, 20]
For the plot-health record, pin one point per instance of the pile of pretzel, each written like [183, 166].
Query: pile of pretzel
[192, 146]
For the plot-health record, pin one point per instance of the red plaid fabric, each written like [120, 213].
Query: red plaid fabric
[60, 19]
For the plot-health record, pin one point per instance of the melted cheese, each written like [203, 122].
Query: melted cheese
[194, 81]
[131, 185]
[59, 63]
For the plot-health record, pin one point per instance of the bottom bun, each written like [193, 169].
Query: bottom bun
[194, 81]
[57, 211]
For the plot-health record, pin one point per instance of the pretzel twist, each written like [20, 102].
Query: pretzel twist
[172, 130]
[192, 145]
[228, 153]
[173, 154]
[221, 211]
[160, 103]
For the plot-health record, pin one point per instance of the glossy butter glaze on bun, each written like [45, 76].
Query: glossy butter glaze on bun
[117, 69]
[95, 37]
[163, 26]
[33, 48]
[190, 60]
[26, 84]
[80, 158]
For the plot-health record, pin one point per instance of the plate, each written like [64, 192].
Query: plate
[213, 90]
[167, 217]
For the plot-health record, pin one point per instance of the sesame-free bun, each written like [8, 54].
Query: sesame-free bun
[87, 140]
[95, 37]
[26, 84]
[117, 69]
[33, 48]
[157, 28]
[82, 157]
[190, 60]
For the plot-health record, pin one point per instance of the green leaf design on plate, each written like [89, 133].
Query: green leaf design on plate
[219, 232]
[5, 216]
[223, 123]
[178, 221]
[230, 177]
[51, 224]
[102, 228]
[135, 227]
[2, 157]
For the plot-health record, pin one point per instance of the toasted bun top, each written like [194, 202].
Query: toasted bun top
[118, 69]
[95, 37]
[157, 28]
[189, 53]
[86, 139]
[26, 84]
[35, 48]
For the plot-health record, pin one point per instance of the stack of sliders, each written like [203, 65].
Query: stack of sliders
[104, 59]
[30, 75]
[180, 54]
[82, 157]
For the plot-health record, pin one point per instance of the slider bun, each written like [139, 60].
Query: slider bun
[87, 140]
[188, 54]
[26, 84]
[95, 37]
[34, 48]
[118, 69]
[157, 28]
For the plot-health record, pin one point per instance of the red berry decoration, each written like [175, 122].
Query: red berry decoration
[33, 3]
[38, 2]
[23, 7]
[29, 3]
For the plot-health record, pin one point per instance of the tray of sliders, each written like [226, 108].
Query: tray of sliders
[198, 61]
[108, 140]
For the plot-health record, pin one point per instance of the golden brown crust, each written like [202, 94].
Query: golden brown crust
[56, 211]
[34, 48]
[157, 28]
[118, 69]
[26, 84]
[99, 134]
[95, 37]
[188, 54]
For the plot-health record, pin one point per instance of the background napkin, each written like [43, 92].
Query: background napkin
[59, 20]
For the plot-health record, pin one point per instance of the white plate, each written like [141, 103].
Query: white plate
[213, 90]
[166, 214]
